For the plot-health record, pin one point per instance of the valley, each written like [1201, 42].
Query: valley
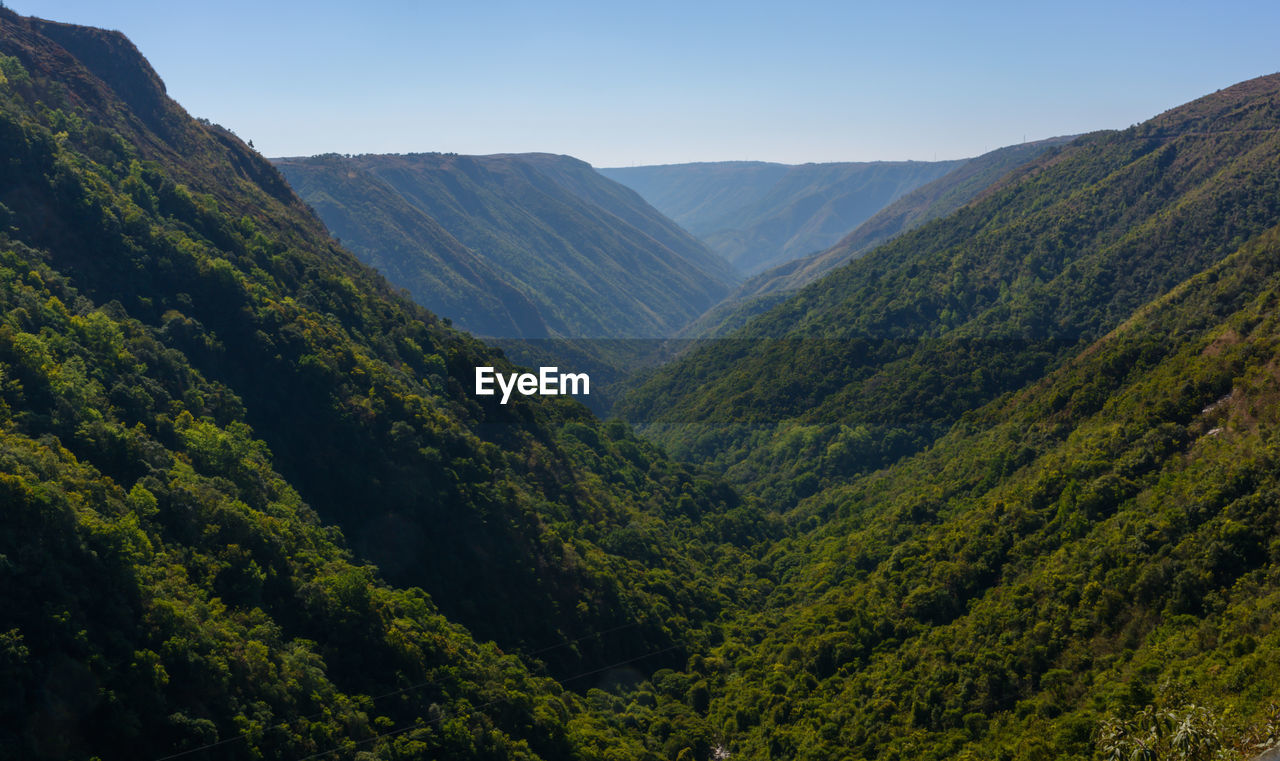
[759, 215]
[438, 455]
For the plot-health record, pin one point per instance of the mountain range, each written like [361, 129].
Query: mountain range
[758, 215]
[216, 421]
[515, 246]
[1027, 452]
[955, 313]
[1002, 485]
[936, 199]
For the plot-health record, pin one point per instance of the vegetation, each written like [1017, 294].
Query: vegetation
[1008, 487]
[759, 215]
[515, 246]
[1186, 734]
[1098, 541]
[879, 359]
[926, 203]
[198, 388]
[411, 249]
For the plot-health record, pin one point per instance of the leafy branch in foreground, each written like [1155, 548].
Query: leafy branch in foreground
[1190, 733]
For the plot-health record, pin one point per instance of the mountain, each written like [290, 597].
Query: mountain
[924, 204]
[411, 249]
[902, 341]
[1030, 451]
[515, 246]
[758, 215]
[1085, 568]
[252, 505]
[701, 192]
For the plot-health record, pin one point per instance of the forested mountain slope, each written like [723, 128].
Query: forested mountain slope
[700, 191]
[541, 245]
[758, 215]
[1084, 567]
[197, 385]
[412, 250]
[1028, 451]
[927, 202]
[878, 359]
[1093, 555]
[936, 199]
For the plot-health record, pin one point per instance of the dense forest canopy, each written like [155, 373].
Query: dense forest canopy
[216, 420]
[1005, 487]
[939, 198]
[877, 360]
[515, 246]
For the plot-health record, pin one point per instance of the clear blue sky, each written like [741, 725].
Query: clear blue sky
[664, 82]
